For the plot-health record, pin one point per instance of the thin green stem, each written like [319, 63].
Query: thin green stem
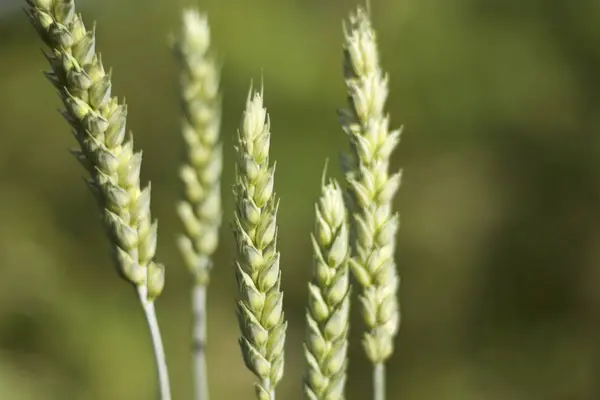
[199, 342]
[157, 345]
[267, 385]
[379, 381]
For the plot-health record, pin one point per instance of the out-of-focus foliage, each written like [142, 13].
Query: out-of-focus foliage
[499, 248]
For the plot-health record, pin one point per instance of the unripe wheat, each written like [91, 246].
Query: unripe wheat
[200, 212]
[106, 149]
[260, 307]
[326, 345]
[371, 187]
[98, 122]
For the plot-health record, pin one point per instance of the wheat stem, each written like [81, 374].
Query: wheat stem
[199, 340]
[379, 382]
[157, 345]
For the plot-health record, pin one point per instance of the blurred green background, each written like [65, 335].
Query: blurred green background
[499, 248]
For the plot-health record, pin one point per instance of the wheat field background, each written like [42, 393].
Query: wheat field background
[499, 247]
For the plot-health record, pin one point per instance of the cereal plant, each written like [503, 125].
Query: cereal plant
[355, 224]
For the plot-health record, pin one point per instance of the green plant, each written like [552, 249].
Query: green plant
[260, 306]
[200, 212]
[327, 317]
[106, 151]
[357, 231]
[371, 191]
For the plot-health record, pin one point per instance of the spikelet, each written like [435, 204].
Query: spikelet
[260, 306]
[326, 345]
[371, 188]
[98, 122]
[200, 212]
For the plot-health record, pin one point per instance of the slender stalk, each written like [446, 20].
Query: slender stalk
[157, 345]
[199, 338]
[379, 382]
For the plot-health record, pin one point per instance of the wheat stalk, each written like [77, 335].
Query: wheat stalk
[371, 190]
[260, 312]
[326, 344]
[200, 212]
[98, 122]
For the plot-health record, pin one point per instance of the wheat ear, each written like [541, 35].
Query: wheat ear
[106, 151]
[260, 306]
[371, 190]
[326, 345]
[200, 211]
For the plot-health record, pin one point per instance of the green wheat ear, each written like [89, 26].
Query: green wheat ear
[106, 150]
[98, 122]
[326, 345]
[260, 306]
[200, 212]
[371, 190]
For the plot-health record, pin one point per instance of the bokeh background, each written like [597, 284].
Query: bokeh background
[499, 248]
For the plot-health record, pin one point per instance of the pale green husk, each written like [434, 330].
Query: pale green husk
[106, 150]
[260, 305]
[326, 345]
[200, 212]
[371, 188]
